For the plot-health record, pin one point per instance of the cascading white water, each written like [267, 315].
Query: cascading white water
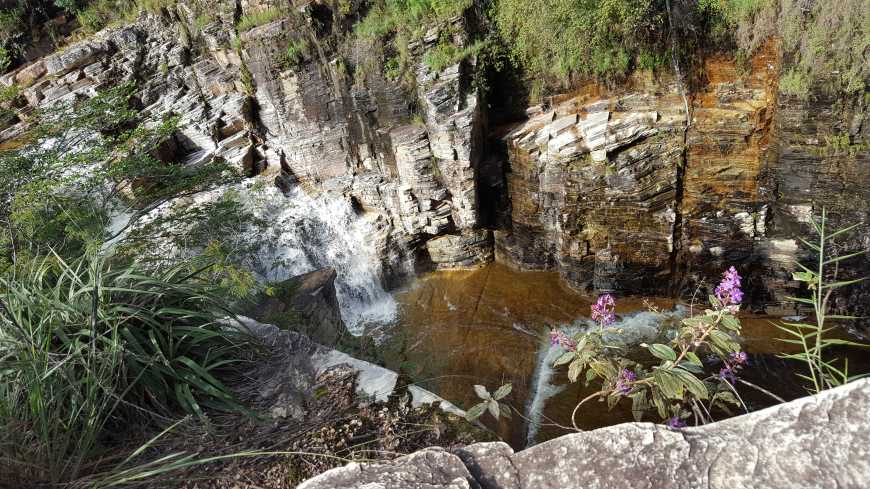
[300, 234]
[541, 389]
[307, 233]
[633, 329]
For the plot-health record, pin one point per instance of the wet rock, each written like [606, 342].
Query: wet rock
[777, 448]
[307, 304]
[469, 249]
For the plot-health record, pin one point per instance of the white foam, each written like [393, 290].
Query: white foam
[307, 233]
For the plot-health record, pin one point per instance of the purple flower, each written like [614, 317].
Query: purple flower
[728, 374]
[603, 310]
[623, 382]
[559, 338]
[738, 358]
[728, 292]
[676, 422]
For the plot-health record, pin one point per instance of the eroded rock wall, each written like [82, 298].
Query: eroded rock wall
[636, 189]
[404, 151]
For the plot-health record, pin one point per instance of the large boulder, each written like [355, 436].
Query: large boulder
[819, 441]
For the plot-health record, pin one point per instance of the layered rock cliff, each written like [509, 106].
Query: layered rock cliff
[653, 185]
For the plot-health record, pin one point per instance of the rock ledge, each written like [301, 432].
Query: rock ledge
[819, 441]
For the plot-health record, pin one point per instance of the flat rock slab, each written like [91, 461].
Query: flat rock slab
[820, 441]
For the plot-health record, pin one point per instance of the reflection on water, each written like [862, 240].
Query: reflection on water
[489, 326]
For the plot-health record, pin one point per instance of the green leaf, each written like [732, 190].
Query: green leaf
[691, 367]
[492, 406]
[844, 283]
[670, 385]
[842, 231]
[475, 411]
[574, 370]
[801, 300]
[590, 375]
[502, 391]
[844, 257]
[695, 386]
[664, 352]
[505, 410]
[809, 245]
[639, 404]
[692, 357]
[564, 358]
[731, 322]
[481, 392]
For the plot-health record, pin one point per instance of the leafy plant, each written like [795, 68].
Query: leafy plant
[821, 281]
[5, 59]
[678, 386]
[446, 53]
[87, 347]
[490, 402]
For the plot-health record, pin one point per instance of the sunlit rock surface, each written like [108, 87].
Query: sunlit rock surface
[817, 441]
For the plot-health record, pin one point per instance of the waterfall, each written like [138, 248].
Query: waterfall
[308, 233]
[541, 389]
[630, 330]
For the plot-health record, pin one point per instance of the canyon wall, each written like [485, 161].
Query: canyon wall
[655, 185]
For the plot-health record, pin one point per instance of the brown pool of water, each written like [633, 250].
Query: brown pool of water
[487, 326]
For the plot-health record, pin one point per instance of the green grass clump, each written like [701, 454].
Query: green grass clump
[400, 22]
[294, 55]
[256, 19]
[89, 348]
[557, 40]
[447, 54]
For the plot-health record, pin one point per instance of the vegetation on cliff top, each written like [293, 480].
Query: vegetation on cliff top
[557, 41]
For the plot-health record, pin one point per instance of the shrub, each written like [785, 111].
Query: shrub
[679, 385]
[256, 19]
[823, 43]
[89, 347]
[405, 21]
[795, 83]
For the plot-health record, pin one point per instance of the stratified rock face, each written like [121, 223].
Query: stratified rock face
[818, 441]
[316, 122]
[634, 189]
[618, 193]
[469, 249]
[593, 185]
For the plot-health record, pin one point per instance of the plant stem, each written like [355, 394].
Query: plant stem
[762, 389]
[574, 413]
